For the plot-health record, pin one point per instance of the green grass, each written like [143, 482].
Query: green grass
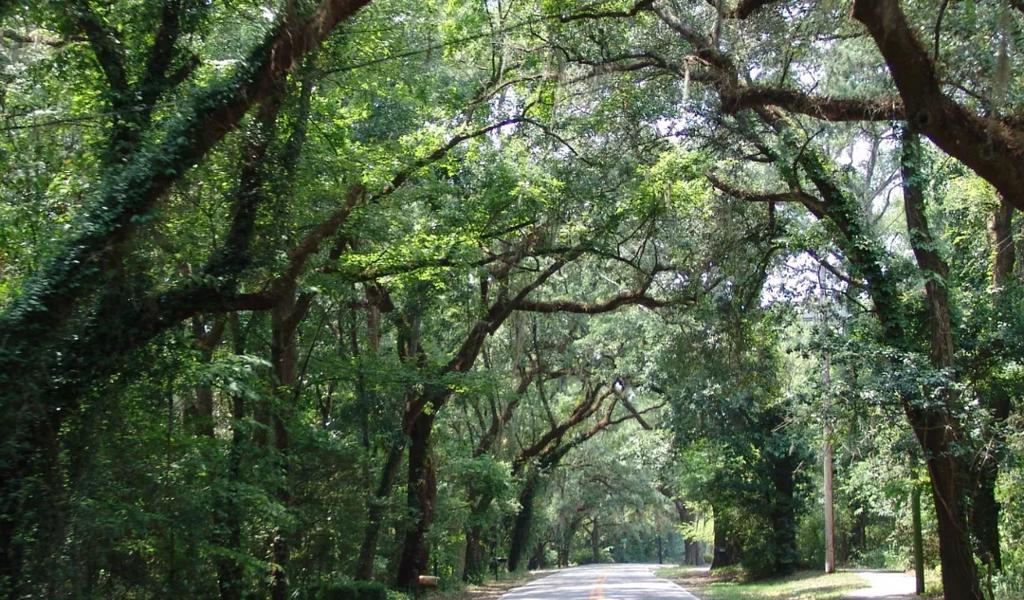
[490, 589]
[808, 585]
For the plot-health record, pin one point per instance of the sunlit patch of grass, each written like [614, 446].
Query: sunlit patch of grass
[808, 585]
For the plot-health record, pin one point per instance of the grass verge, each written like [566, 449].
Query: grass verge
[490, 589]
[808, 585]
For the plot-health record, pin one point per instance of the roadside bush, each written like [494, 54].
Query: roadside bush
[810, 540]
[351, 590]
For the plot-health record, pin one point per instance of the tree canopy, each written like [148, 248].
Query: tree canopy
[297, 294]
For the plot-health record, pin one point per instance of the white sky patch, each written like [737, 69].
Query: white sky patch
[809, 76]
[226, 63]
[857, 154]
[801, 279]
[669, 127]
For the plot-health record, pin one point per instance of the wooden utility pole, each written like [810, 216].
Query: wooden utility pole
[830, 529]
[826, 388]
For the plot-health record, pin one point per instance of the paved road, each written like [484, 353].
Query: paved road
[601, 582]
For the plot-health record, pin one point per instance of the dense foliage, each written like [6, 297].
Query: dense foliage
[313, 298]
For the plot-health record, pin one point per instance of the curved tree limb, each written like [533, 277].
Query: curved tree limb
[52, 296]
[987, 146]
[819, 107]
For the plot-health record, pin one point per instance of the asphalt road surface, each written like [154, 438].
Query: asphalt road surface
[601, 582]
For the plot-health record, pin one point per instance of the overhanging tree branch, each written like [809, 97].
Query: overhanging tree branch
[815, 205]
[990, 147]
[819, 107]
[51, 297]
[629, 298]
[106, 47]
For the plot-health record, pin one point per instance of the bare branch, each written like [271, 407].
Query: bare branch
[813, 204]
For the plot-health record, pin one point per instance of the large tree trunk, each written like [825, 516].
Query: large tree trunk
[537, 558]
[284, 322]
[523, 522]
[474, 559]
[936, 428]
[474, 566]
[595, 542]
[985, 509]
[227, 520]
[949, 482]
[376, 510]
[227, 531]
[915, 515]
[565, 546]
[693, 550]
[984, 517]
[35, 476]
[420, 501]
[858, 540]
[693, 553]
[377, 502]
[783, 513]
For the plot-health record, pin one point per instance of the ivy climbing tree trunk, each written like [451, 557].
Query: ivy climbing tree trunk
[39, 330]
[985, 508]
[937, 428]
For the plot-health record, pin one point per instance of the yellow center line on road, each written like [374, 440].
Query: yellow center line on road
[597, 593]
